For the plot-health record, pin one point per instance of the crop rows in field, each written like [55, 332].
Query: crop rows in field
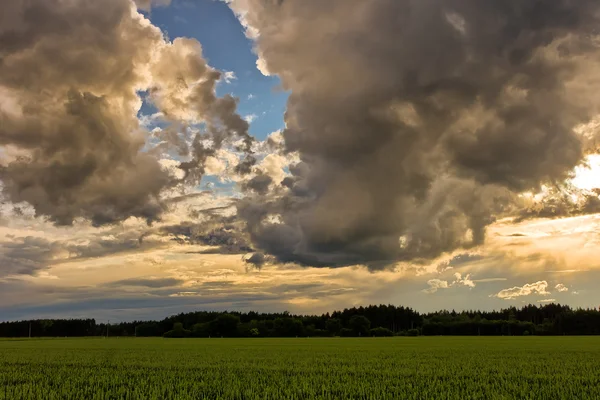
[369, 368]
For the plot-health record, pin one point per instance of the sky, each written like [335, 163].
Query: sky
[226, 48]
[164, 156]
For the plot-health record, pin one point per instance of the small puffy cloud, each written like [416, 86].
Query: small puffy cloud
[251, 96]
[459, 280]
[215, 166]
[261, 65]
[149, 121]
[146, 5]
[561, 288]
[457, 22]
[435, 285]
[171, 167]
[46, 275]
[547, 301]
[539, 288]
[274, 166]
[250, 118]
[466, 281]
[229, 76]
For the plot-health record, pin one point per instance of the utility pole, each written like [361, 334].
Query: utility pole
[107, 325]
[29, 329]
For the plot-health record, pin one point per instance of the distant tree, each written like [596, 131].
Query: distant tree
[288, 327]
[334, 326]
[177, 331]
[360, 325]
[225, 325]
[147, 329]
[380, 331]
[46, 326]
[549, 319]
[201, 329]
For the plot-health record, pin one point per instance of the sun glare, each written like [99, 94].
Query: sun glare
[588, 177]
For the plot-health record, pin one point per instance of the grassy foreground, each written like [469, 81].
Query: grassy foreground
[335, 368]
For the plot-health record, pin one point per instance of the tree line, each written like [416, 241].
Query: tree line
[381, 320]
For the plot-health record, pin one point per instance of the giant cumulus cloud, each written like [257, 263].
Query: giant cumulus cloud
[417, 121]
[70, 76]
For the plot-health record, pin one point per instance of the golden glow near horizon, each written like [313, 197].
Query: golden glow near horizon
[553, 253]
[557, 252]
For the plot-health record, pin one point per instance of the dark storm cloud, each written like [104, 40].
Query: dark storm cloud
[26, 256]
[418, 122]
[30, 255]
[459, 260]
[245, 166]
[69, 69]
[226, 235]
[257, 260]
[259, 184]
[562, 202]
[70, 73]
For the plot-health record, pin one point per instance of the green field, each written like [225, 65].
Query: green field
[336, 368]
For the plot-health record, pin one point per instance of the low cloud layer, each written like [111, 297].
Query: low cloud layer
[418, 123]
[223, 234]
[154, 283]
[32, 255]
[560, 201]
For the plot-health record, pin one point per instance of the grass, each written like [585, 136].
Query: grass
[336, 368]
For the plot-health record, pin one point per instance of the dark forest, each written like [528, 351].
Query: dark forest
[382, 320]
